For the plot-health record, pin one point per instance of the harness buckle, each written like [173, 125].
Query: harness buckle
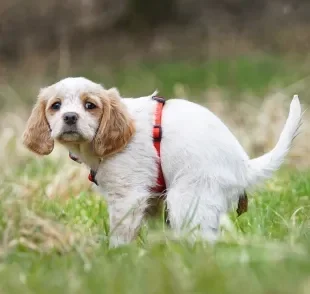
[157, 135]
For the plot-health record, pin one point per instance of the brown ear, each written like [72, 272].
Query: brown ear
[36, 136]
[116, 127]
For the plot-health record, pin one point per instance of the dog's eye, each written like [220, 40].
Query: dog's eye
[89, 105]
[56, 106]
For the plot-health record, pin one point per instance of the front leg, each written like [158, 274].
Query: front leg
[126, 213]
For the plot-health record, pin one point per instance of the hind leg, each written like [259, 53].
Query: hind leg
[196, 209]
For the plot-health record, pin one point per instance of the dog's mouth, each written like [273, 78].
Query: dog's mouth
[71, 136]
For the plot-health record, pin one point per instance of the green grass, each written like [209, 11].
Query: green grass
[237, 75]
[256, 75]
[268, 251]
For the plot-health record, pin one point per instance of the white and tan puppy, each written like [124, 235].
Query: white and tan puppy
[205, 168]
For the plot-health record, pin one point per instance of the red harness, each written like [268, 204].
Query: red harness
[157, 135]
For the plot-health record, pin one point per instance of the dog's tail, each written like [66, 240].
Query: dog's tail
[262, 168]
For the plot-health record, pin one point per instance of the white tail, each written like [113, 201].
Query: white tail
[262, 168]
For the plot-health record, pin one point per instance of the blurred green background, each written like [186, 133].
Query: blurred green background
[239, 45]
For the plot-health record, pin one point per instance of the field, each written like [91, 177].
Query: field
[53, 226]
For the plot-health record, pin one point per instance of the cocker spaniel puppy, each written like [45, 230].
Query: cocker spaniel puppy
[142, 148]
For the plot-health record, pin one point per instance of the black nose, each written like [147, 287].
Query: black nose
[70, 118]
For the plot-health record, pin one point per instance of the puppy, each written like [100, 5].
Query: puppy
[203, 168]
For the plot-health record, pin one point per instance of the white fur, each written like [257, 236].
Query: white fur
[205, 167]
[69, 92]
[261, 168]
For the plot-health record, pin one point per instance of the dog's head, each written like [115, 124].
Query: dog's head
[77, 111]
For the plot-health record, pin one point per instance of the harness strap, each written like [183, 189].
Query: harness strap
[73, 157]
[92, 173]
[157, 136]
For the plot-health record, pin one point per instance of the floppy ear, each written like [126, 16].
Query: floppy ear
[37, 136]
[116, 128]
